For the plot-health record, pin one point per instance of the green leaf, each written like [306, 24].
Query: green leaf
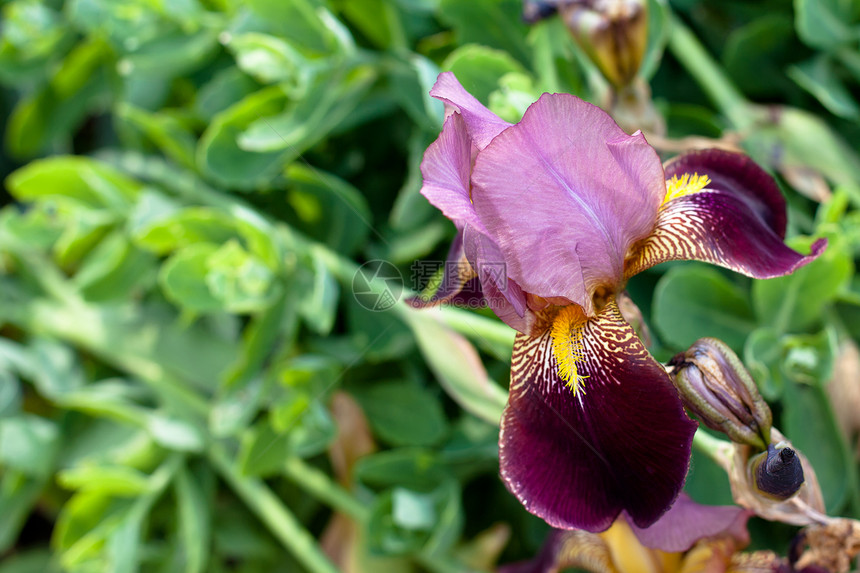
[798, 138]
[218, 152]
[175, 433]
[763, 355]
[818, 77]
[327, 208]
[18, 495]
[195, 521]
[692, 302]
[479, 68]
[29, 444]
[405, 521]
[264, 450]
[457, 366]
[403, 414]
[755, 56]
[271, 60]
[46, 120]
[183, 278]
[10, 393]
[319, 296]
[825, 24]
[808, 422]
[159, 227]
[170, 54]
[241, 281]
[226, 88]
[30, 561]
[114, 270]
[120, 481]
[418, 469]
[167, 131]
[80, 179]
[55, 368]
[494, 23]
[299, 21]
[379, 20]
[796, 301]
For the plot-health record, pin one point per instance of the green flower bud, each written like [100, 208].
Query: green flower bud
[613, 33]
[717, 388]
[776, 473]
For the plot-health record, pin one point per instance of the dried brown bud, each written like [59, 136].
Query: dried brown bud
[612, 33]
[716, 387]
[776, 473]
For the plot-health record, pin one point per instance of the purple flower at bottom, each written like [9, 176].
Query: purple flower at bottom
[554, 215]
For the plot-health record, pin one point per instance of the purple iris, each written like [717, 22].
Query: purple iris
[554, 214]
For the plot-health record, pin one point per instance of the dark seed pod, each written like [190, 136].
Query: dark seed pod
[776, 473]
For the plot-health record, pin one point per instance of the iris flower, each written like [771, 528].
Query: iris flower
[689, 538]
[554, 215]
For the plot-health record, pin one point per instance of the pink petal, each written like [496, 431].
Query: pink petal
[564, 194]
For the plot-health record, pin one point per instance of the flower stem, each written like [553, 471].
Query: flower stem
[272, 512]
[321, 486]
[704, 69]
[718, 450]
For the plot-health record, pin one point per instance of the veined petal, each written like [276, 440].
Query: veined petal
[482, 124]
[446, 168]
[737, 221]
[564, 194]
[621, 443]
[456, 282]
[737, 174]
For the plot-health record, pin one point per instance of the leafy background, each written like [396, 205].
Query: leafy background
[187, 382]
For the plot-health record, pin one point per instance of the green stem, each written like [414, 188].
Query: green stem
[704, 69]
[714, 448]
[272, 512]
[321, 486]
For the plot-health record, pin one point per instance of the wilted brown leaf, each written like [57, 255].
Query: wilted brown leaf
[832, 546]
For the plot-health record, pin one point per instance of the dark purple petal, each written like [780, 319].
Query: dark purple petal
[503, 295]
[446, 168]
[482, 124]
[564, 194]
[459, 285]
[718, 227]
[687, 522]
[736, 174]
[622, 443]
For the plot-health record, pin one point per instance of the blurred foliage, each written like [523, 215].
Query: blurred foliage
[190, 189]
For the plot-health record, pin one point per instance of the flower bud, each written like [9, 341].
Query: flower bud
[612, 33]
[776, 473]
[716, 387]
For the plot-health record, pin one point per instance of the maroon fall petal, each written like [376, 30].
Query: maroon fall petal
[721, 228]
[736, 174]
[621, 443]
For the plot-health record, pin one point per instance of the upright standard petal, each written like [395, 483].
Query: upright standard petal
[737, 221]
[482, 124]
[620, 442]
[446, 168]
[564, 194]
